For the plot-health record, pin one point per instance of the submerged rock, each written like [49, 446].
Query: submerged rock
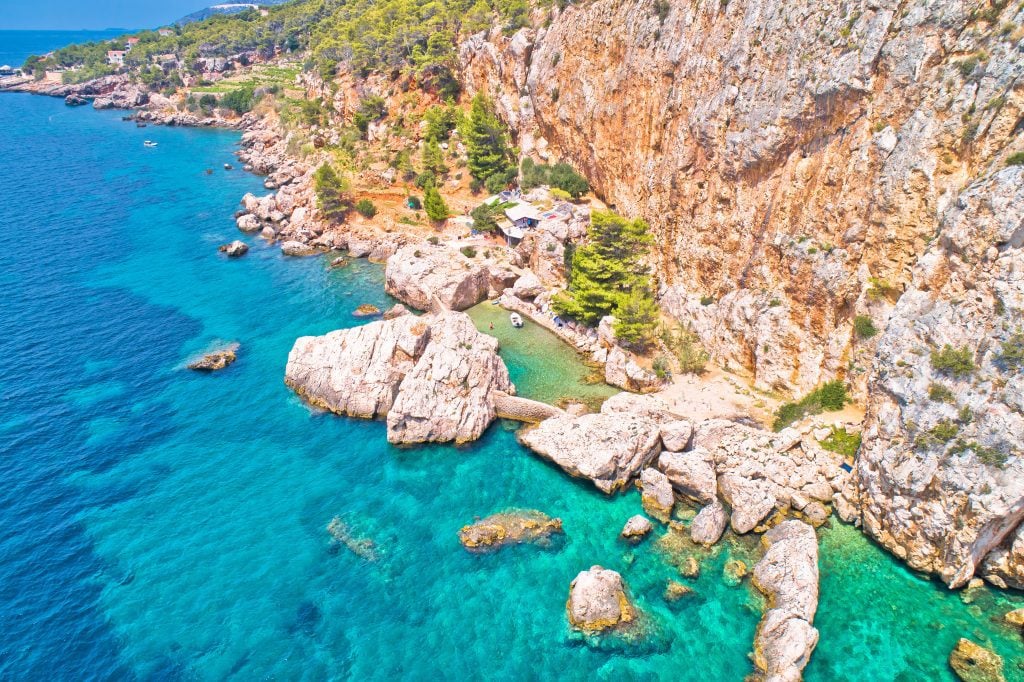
[1015, 617]
[636, 528]
[788, 577]
[216, 360]
[734, 572]
[598, 601]
[339, 262]
[366, 310]
[974, 663]
[674, 591]
[509, 528]
[342, 534]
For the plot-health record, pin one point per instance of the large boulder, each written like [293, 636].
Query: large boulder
[751, 501]
[709, 524]
[656, 494]
[420, 275]
[598, 601]
[435, 377]
[357, 372]
[622, 370]
[607, 448]
[448, 394]
[692, 473]
[675, 435]
[636, 528]
[788, 577]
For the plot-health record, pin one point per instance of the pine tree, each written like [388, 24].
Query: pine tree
[606, 268]
[434, 205]
[333, 193]
[487, 141]
[433, 159]
[636, 315]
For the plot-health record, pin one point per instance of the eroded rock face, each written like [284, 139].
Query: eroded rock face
[509, 528]
[788, 576]
[776, 187]
[621, 370]
[598, 601]
[433, 376]
[447, 396]
[607, 448]
[940, 473]
[416, 274]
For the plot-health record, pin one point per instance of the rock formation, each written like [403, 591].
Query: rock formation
[974, 663]
[608, 448]
[656, 494]
[636, 528]
[709, 524]
[216, 360]
[509, 528]
[416, 274]
[433, 376]
[940, 473]
[788, 576]
[235, 249]
[598, 601]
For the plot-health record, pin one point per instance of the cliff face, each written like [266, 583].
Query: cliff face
[785, 153]
[803, 164]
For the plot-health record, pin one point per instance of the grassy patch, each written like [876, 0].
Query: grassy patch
[842, 442]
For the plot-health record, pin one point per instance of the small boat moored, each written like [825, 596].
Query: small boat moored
[516, 320]
[149, 143]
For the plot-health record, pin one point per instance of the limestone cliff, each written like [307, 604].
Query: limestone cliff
[794, 158]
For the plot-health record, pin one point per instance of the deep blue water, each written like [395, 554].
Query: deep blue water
[17, 46]
[160, 524]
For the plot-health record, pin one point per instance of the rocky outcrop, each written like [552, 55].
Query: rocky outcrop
[788, 577]
[235, 249]
[598, 601]
[296, 248]
[419, 274]
[636, 528]
[433, 376]
[608, 448]
[750, 499]
[523, 409]
[940, 474]
[357, 372]
[448, 394]
[216, 360]
[974, 663]
[656, 494]
[692, 473]
[509, 528]
[621, 370]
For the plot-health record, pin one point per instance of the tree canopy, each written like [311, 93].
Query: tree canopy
[486, 139]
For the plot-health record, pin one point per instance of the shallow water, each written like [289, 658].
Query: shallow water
[159, 523]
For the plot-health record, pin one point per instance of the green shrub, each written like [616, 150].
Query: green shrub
[830, 396]
[686, 347]
[434, 240]
[366, 208]
[1012, 353]
[240, 101]
[468, 251]
[426, 179]
[881, 289]
[707, 300]
[864, 327]
[636, 317]
[414, 203]
[940, 393]
[1015, 159]
[842, 442]
[333, 192]
[660, 367]
[957, 362]
[371, 108]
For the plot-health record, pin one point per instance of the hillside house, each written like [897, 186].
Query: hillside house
[115, 57]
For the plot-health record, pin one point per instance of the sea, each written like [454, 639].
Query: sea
[160, 524]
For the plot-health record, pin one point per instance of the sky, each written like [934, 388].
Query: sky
[94, 14]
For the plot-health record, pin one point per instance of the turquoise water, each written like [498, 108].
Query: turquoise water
[161, 524]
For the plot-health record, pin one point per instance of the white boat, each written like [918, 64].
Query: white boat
[516, 320]
[149, 143]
